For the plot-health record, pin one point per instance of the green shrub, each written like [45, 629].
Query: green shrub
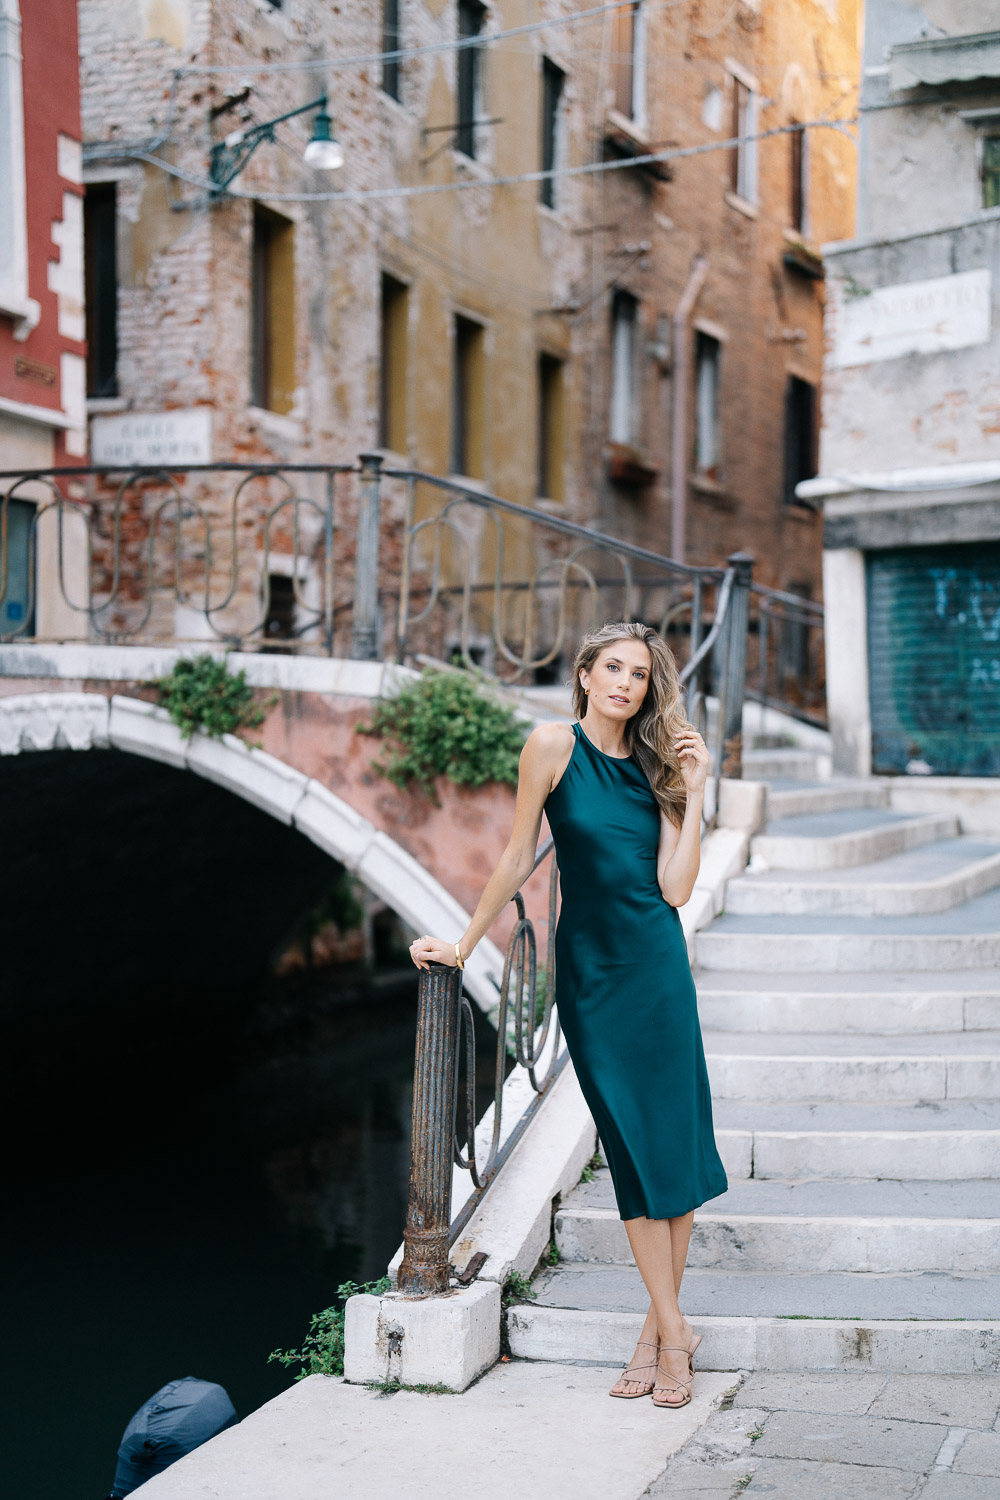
[446, 723]
[202, 693]
[322, 1351]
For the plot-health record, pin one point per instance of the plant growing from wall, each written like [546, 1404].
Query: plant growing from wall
[322, 1351]
[446, 723]
[202, 693]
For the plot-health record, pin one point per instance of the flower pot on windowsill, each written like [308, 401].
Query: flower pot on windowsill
[626, 465]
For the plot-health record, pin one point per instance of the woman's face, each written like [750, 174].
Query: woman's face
[619, 678]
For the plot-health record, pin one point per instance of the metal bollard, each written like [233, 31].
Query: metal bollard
[425, 1267]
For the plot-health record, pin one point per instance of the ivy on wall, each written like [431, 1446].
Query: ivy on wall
[202, 693]
[446, 723]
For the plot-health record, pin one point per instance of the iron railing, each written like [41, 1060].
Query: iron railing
[786, 668]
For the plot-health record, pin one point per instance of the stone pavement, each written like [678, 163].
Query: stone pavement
[523, 1431]
[844, 1436]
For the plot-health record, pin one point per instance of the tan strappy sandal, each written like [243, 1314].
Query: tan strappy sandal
[628, 1375]
[676, 1383]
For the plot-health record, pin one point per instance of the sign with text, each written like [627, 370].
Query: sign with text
[918, 317]
[170, 439]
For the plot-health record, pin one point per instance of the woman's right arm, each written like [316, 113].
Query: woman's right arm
[542, 756]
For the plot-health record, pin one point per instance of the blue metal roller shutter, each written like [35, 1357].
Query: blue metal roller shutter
[934, 659]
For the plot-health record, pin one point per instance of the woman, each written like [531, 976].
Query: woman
[622, 789]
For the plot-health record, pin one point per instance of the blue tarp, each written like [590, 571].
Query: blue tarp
[181, 1416]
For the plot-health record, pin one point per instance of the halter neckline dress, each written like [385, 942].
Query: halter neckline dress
[624, 989]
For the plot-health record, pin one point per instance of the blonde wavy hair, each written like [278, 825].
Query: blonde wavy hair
[651, 733]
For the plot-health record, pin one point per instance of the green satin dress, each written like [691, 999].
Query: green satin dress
[624, 989]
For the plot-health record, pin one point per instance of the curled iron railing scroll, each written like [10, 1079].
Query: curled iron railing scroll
[570, 572]
[531, 1038]
[189, 556]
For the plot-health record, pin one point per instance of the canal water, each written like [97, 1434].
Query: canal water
[184, 1186]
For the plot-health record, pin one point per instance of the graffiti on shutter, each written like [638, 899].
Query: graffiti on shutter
[934, 660]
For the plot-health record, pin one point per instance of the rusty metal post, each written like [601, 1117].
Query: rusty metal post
[425, 1266]
[734, 665]
[365, 635]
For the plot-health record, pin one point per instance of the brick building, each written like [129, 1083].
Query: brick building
[546, 339]
[42, 412]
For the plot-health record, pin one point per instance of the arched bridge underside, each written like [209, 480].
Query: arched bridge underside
[203, 853]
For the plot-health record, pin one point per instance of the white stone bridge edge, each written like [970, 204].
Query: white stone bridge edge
[84, 721]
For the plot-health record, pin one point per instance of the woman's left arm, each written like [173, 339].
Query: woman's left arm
[678, 857]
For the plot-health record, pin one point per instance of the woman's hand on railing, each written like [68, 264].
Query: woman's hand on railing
[427, 950]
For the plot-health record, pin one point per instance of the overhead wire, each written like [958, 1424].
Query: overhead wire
[461, 184]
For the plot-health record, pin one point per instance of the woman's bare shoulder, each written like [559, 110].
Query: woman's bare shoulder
[546, 752]
[552, 740]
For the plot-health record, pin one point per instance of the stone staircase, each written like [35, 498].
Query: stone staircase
[850, 1003]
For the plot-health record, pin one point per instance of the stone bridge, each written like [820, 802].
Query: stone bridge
[219, 833]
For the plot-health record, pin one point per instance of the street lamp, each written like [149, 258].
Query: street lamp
[229, 157]
[323, 151]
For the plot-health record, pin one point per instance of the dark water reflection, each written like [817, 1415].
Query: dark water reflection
[184, 1187]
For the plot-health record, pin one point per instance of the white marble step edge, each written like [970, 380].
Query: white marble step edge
[845, 1155]
[787, 1242]
[939, 1348]
[841, 851]
[845, 953]
[748, 896]
[794, 802]
[877, 1012]
[854, 1079]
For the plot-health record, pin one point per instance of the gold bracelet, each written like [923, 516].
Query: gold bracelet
[458, 957]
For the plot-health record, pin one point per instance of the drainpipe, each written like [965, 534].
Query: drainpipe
[682, 360]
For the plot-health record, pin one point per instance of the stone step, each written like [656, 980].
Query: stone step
[934, 877]
[884, 1004]
[854, 1069]
[946, 1141]
[786, 1243]
[908, 1346]
[836, 840]
[884, 1199]
[966, 937]
[726, 1292]
[721, 948]
[834, 796]
[925, 1045]
[788, 764]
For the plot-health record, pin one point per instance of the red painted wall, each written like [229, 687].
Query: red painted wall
[51, 82]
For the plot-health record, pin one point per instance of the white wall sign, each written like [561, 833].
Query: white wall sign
[919, 317]
[170, 438]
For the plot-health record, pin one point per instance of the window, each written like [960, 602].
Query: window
[991, 171]
[470, 24]
[798, 170]
[800, 436]
[707, 436]
[16, 581]
[628, 61]
[273, 311]
[279, 620]
[392, 372]
[624, 321]
[744, 156]
[551, 437]
[553, 79]
[100, 274]
[390, 43]
[468, 399]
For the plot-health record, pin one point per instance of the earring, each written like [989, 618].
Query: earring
[586, 691]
